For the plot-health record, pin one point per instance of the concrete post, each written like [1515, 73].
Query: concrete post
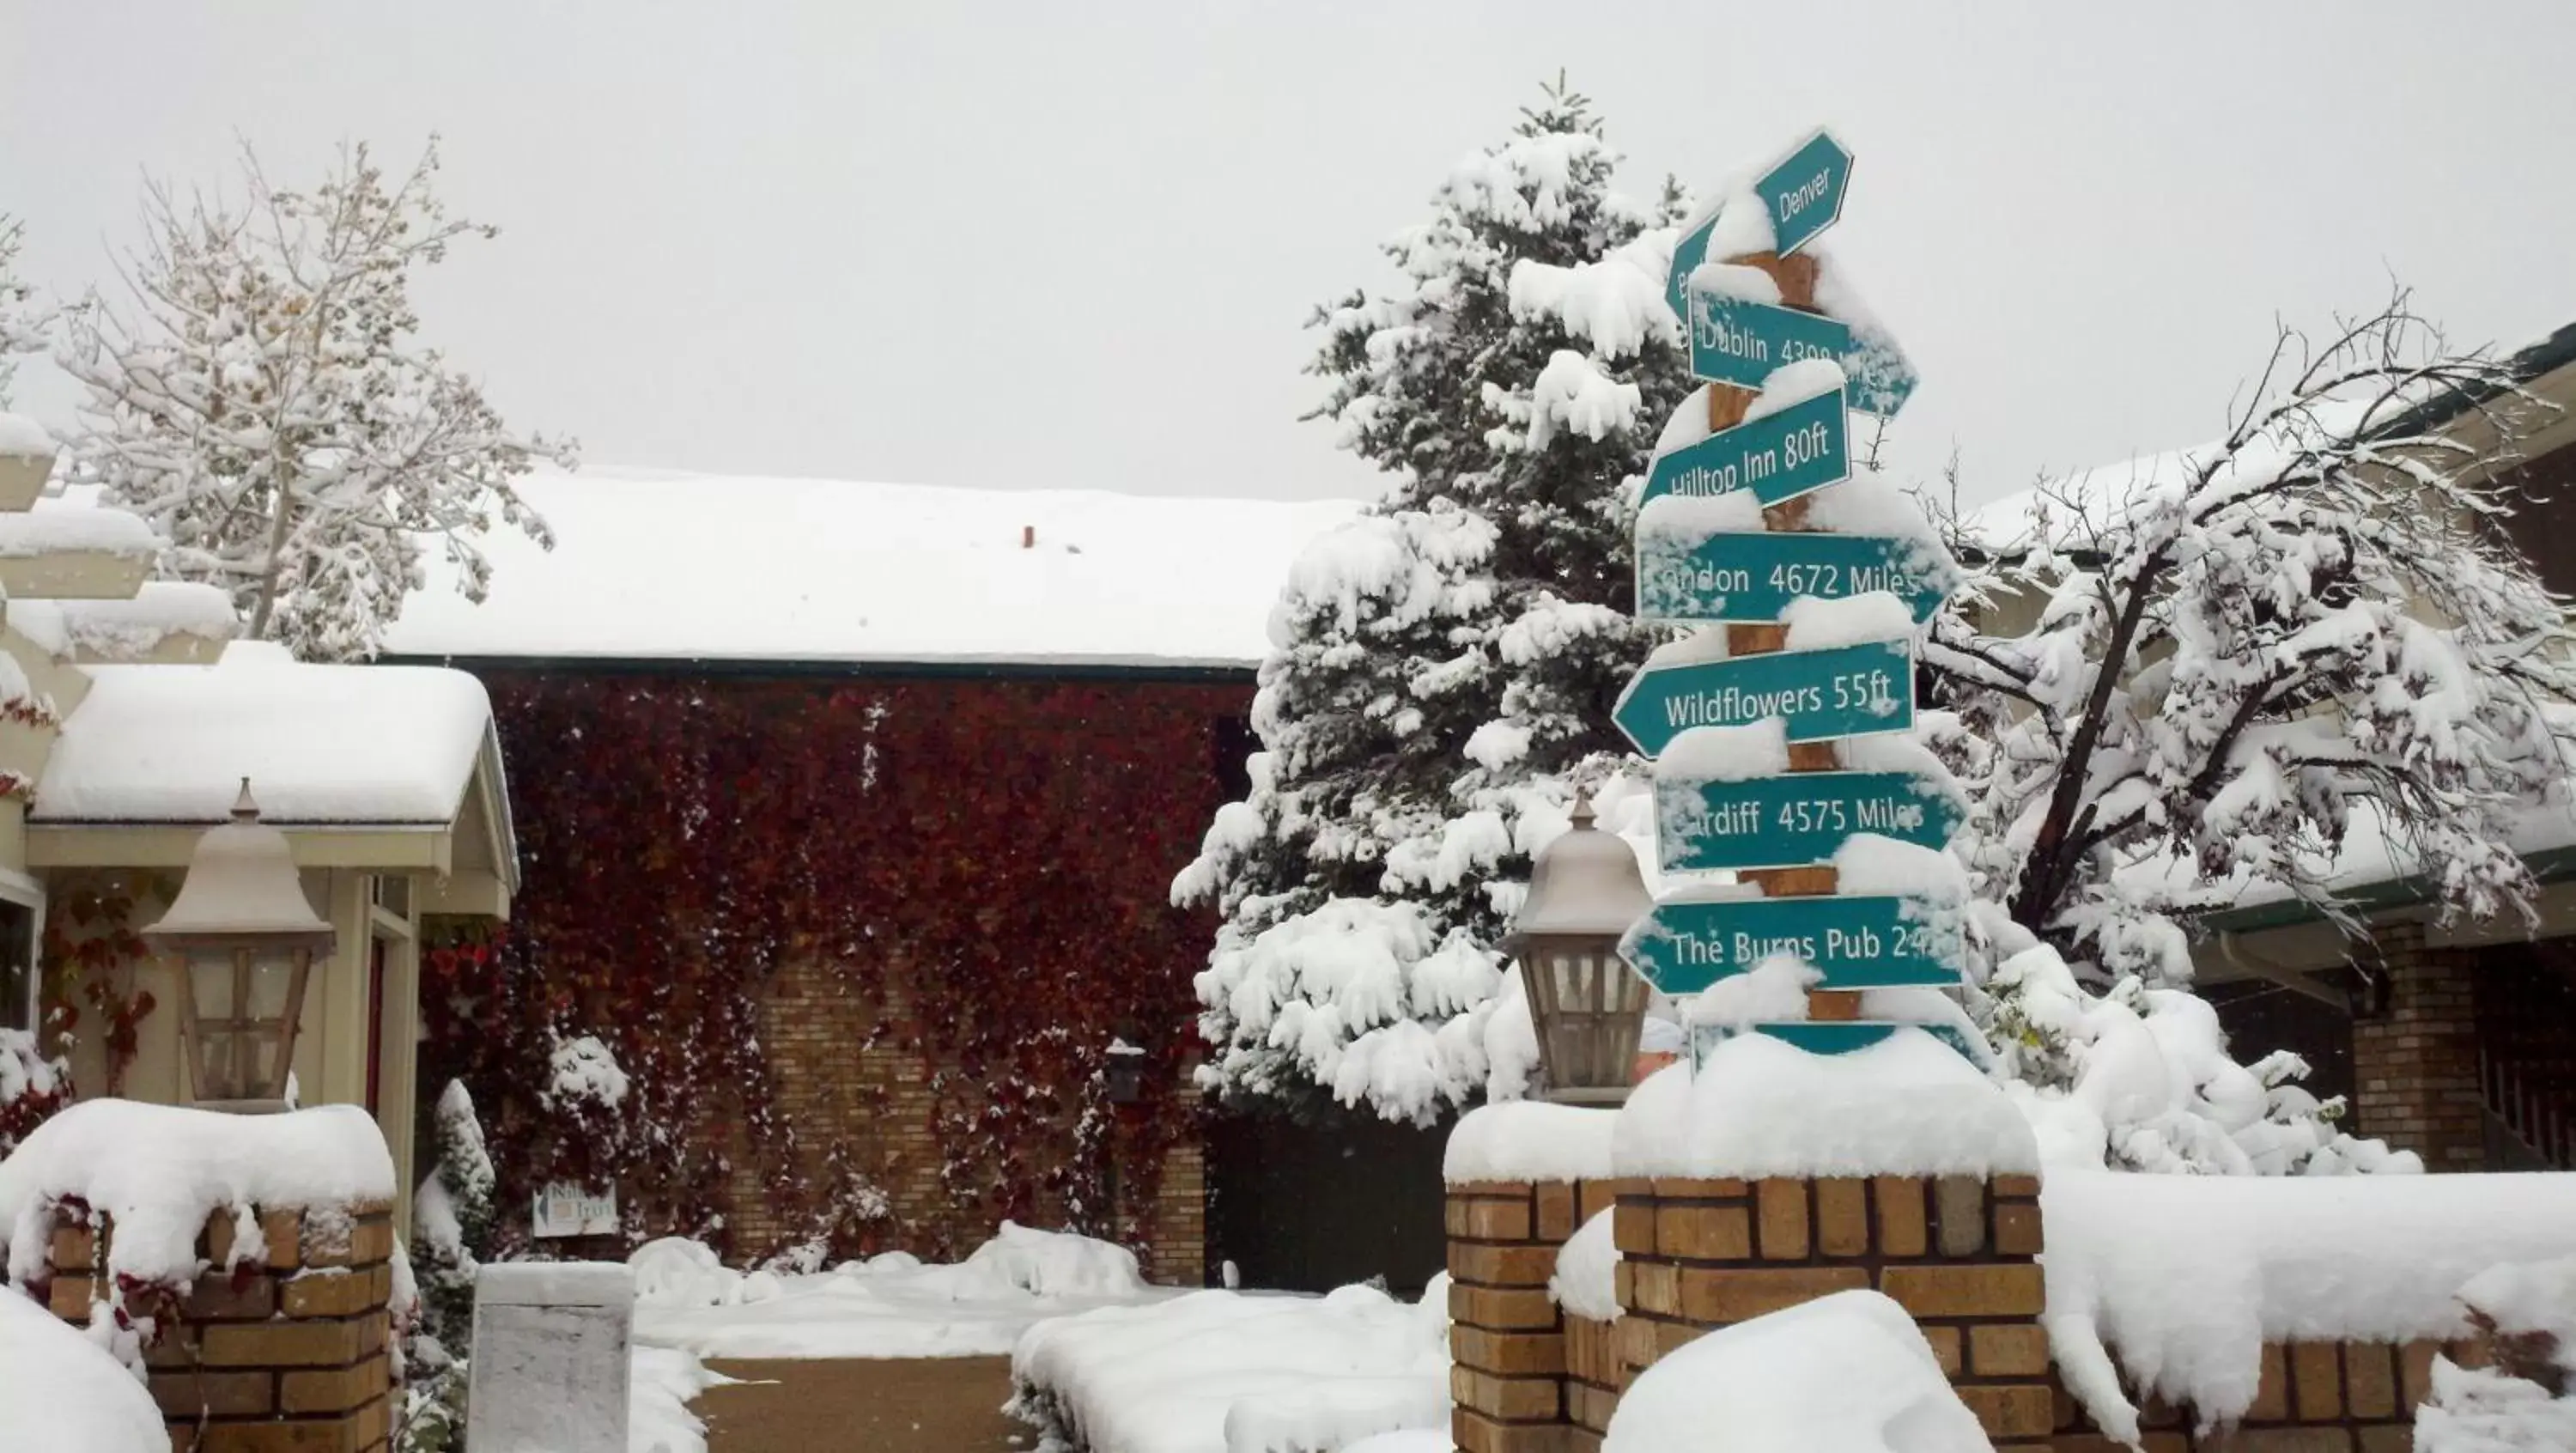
[551, 1360]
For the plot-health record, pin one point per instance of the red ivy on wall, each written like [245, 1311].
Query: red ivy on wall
[1000, 848]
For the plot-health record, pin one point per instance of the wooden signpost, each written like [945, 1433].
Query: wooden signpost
[1779, 834]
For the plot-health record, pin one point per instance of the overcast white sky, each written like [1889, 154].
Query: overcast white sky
[1073, 244]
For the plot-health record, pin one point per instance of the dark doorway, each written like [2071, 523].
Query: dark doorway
[1309, 1207]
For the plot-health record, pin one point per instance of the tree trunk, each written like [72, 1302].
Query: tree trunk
[267, 606]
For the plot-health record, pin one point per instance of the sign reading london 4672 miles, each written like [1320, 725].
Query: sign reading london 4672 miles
[1754, 575]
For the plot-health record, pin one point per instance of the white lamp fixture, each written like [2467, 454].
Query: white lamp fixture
[1588, 1006]
[248, 938]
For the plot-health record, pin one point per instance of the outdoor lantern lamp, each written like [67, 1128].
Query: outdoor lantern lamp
[1588, 1006]
[248, 938]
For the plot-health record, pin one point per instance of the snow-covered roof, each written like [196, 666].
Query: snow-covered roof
[58, 526]
[2097, 496]
[320, 744]
[657, 565]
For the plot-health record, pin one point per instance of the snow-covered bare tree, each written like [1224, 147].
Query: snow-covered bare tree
[262, 399]
[14, 338]
[1445, 664]
[2307, 643]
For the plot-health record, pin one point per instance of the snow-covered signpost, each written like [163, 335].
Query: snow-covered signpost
[1753, 525]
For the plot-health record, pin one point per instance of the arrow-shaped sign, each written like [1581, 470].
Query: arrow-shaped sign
[1803, 195]
[1841, 691]
[1794, 819]
[1753, 575]
[1739, 341]
[1779, 456]
[1874, 942]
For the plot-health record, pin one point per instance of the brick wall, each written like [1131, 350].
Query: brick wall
[283, 1358]
[832, 1085]
[1508, 1347]
[2416, 1065]
[2315, 1397]
[1957, 1252]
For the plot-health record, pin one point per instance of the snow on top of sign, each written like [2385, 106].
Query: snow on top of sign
[1907, 1105]
[659, 565]
[1870, 863]
[1795, 383]
[1691, 518]
[1846, 1373]
[64, 526]
[2185, 1278]
[1727, 753]
[1701, 646]
[87, 1403]
[124, 629]
[23, 436]
[1736, 281]
[171, 743]
[1868, 504]
[1529, 1140]
[1586, 1281]
[1817, 622]
[159, 1170]
[1771, 992]
[1743, 222]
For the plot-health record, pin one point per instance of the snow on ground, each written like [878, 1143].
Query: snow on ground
[658, 1419]
[2183, 1278]
[1848, 1373]
[841, 570]
[89, 1402]
[1226, 1372]
[892, 1305]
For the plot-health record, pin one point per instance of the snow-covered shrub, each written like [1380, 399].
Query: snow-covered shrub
[1439, 666]
[452, 1221]
[32, 1087]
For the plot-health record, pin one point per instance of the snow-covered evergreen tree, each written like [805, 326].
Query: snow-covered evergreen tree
[452, 1220]
[2254, 665]
[1445, 665]
[265, 404]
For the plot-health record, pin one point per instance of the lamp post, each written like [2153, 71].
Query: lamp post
[1588, 1006]
[247, 938]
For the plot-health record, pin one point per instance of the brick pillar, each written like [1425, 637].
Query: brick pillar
[2416, 1065]
[1177, 1239]
[1508, 1347]
[1957, 1252]
[289, 1355]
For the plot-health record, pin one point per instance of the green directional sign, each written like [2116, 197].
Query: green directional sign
[1736, 341]
[1803, 193]
[1779, 456]
[1877, 372]
[1794, 819]
[1874, 942]
[1752, 576]
[1841, 691]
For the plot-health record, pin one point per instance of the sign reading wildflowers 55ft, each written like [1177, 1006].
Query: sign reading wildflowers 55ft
[1818, 648]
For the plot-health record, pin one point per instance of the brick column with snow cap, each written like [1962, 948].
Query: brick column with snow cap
[1522, 1177]
[243, 1261]
[1774, 1177]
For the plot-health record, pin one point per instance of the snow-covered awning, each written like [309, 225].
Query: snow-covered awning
[340, 745]
[661, 566]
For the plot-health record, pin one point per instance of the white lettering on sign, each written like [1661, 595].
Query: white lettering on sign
[1718, 336]
[1806, 194]
[1730, 704]
[569, 1210]
[1709, 579]
[1750, 948]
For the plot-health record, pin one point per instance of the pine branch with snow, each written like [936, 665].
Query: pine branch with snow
[16, 334]
[1442, 669]
[261, 398]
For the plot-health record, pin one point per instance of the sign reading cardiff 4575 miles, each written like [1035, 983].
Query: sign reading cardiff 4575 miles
[1841, 691]
[1792, 821]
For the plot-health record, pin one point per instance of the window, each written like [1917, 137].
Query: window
[17, 964]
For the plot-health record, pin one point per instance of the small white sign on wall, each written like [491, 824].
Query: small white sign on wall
[564, 1209]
